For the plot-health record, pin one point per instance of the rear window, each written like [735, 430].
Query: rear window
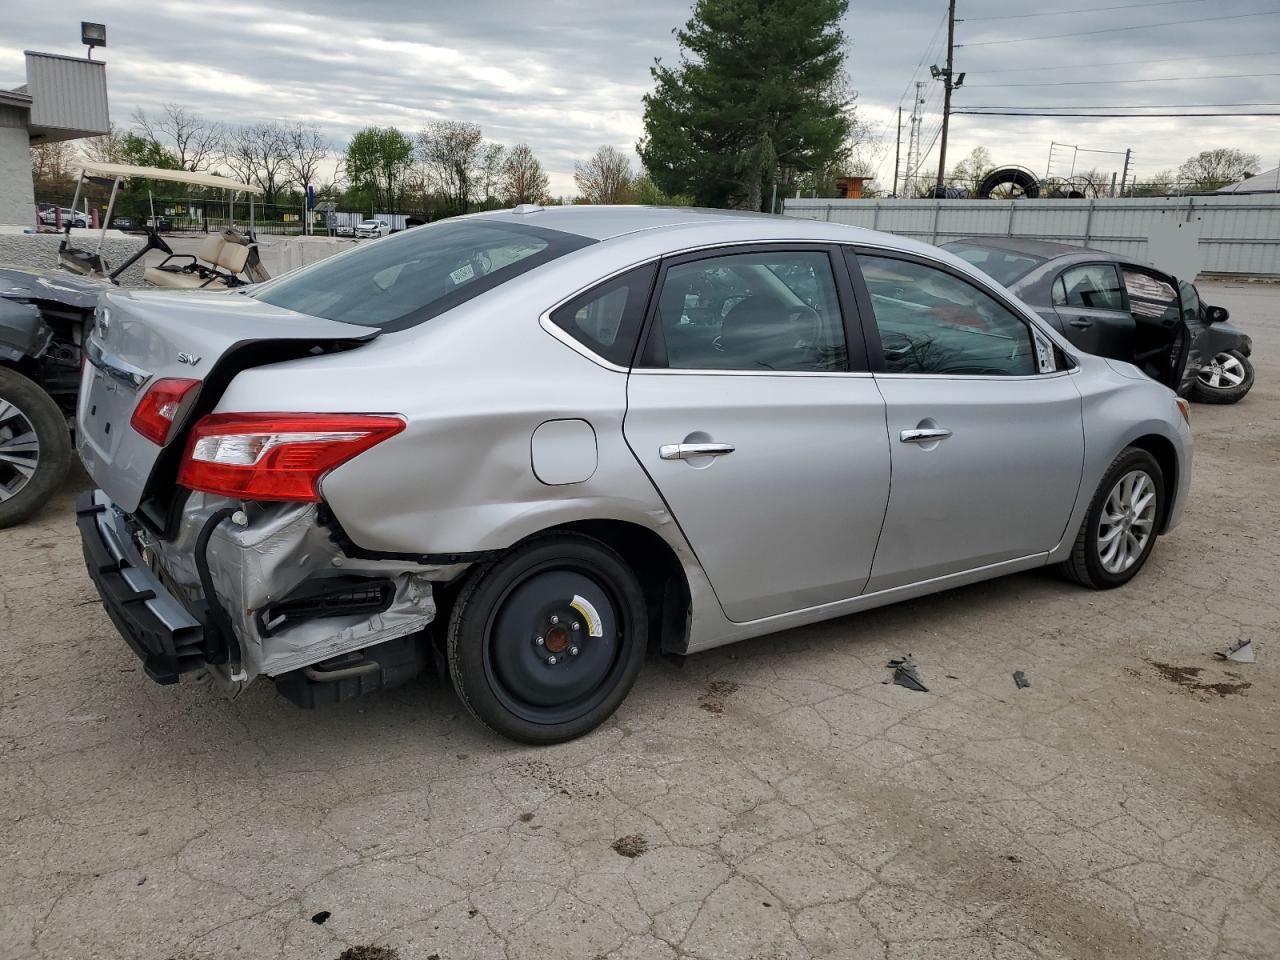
[419, 274]
[1003, 266]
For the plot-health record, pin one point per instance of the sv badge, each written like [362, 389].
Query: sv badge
[189, 359]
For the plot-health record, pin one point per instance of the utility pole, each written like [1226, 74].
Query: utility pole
[950, 82]
[1128, 154]
[897, 153]
[913, 139]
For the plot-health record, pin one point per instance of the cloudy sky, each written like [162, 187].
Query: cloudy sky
[568, 76]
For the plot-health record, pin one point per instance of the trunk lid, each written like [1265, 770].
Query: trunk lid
[139, 337]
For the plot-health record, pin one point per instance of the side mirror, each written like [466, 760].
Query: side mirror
[1216, 314]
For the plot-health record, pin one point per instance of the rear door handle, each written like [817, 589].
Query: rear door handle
[1081, 323]
[924, 436]
[689, 451]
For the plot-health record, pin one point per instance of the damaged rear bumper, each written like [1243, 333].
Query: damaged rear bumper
[263, 589]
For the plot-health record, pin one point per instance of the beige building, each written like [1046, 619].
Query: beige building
[64, 98]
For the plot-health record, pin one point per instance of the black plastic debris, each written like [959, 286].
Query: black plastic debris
[906, 675]
[1020, 679]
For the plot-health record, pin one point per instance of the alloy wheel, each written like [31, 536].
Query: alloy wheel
[1127, 522]
[1223, 372]
[19, 450]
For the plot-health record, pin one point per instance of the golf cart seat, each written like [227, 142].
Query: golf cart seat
[215, 265]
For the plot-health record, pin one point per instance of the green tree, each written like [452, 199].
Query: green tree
[1211, 169]
[759, 95]
[970, 171]
[644, 190]
[376, 162]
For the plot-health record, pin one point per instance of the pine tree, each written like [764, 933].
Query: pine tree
[758, 97]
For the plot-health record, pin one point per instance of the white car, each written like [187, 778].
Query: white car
[372, 229]
[79, 219]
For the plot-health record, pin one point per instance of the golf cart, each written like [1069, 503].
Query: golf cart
[45, 316]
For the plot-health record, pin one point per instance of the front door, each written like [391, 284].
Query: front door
[986, 439]
[761, 429]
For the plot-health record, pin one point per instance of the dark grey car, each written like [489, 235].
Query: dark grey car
[1114, 306]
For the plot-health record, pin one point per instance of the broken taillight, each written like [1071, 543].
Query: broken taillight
[160, 406]
[276, 456]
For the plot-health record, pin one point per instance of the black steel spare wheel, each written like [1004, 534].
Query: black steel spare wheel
[545, 643]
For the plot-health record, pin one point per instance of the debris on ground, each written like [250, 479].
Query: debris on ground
[717, 692]
[525, 817]
[1020, 679]
[1189, 678]
[905, 674]
[630, 846]
[369, 952]
[321, 917]
[1241, 652]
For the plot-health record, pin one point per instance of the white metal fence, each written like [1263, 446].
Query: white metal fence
[1237, 234]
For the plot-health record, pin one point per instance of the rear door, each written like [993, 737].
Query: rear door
[986, 436]
[1090, 302]
[752, 410]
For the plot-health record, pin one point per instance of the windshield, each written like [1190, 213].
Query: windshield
[410, 277]
[1003, 266]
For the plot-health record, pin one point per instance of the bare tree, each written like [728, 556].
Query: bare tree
[454, 153]
[306, 150]
[491, 168]
[108, 148]
[1211, 169]
[52, 161]
[194, 140]
[523, 179]
[605, 178]
[259, 153]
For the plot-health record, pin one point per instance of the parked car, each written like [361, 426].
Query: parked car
[49, 216]
[130, 224]
[1117, 307]
[543, 437]
[344, 230]
[367, 229]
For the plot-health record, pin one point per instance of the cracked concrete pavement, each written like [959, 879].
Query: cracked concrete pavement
[773, 799]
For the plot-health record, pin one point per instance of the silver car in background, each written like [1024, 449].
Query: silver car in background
[539, 439]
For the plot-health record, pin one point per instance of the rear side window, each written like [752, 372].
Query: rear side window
[607, 319]
[419, 274]
[1093, 285]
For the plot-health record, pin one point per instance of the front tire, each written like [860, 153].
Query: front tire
[544, 644]
[35, 447]
[1225, 380]
[1119, 531]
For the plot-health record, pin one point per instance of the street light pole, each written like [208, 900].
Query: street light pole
[947, 87]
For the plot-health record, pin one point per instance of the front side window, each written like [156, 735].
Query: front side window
[419, 274]
[607, 319]
[933, 322]
[750, 311]
[1091, 286]
[1150, 297]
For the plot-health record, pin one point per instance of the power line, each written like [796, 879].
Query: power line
[1103, 116]
[1141, 26]
[1060, 13]
[1126, 106]
[1129, 63]
[1092, 83]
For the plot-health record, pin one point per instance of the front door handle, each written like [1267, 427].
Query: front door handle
[924, 436]
[690, 451]
[1080, 323]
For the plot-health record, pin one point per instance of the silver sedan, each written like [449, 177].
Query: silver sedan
[538, 440]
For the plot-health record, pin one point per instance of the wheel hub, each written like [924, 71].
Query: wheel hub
[558, 637]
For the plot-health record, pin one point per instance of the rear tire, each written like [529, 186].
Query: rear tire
[1234, 375]
[1119, 531]
[545, 643]
[35, 447]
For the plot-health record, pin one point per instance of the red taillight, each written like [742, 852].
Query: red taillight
[276, 456]
[160, 406]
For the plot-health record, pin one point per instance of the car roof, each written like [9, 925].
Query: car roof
[604, 222]
[1044, 249]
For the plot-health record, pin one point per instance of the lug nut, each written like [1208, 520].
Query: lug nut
[551, 660]
[554, 618]
[538, 641]
[573, 651]
[576, 625]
